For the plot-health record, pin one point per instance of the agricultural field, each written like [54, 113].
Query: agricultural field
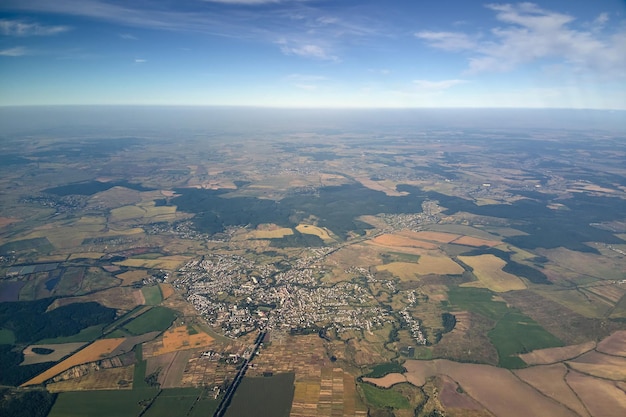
[263, 396]
[488, 270]
[49, 352]
[122, 403]
[103, 379]
[178, 338]
[93, 352]
[392, 279]
[156, 319]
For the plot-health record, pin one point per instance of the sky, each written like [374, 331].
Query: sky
[314, 53]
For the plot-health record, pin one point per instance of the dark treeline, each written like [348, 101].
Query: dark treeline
[30, 321]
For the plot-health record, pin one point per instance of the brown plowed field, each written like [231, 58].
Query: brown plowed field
[497, 389]
[166, 290]
[602, 398]
[550, 380]
[450, 397]
[615, 344]
[600, 365]
[558, 354]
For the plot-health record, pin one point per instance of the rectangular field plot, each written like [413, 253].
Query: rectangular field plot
[102, 403]
[174, 402]
[263, 396]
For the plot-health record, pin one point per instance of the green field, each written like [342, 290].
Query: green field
[478, 300]
[118, 403]
[264, 396]
[174, 402]
[383, 369]
[139, 376]
[517, 333]
[7, 337]
[513, 333]
[382, 398]
[155, 319]
[204, 407]
[152, 295]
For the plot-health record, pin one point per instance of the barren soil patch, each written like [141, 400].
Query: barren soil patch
[550, 380]
[558, 354]
[601, 397]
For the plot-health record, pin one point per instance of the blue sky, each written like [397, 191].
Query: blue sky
[314, 53]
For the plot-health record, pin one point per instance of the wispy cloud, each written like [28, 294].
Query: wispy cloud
[140, 60]
[312, 32]
[22, 28]
[450, 41]
[306, 50]
[530, 33]
[16, 51]
[128, 36]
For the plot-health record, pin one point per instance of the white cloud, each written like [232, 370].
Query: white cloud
[531, 34]
[21, 28]
[306, 50]
[140, 60]
[16, 51]
[450, 41]
[128, 36]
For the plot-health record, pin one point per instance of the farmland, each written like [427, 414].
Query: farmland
[415, 272]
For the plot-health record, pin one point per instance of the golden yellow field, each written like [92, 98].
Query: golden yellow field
[426, 264]
[129, 277]
[176, 339]
[440, 237]
[314, 230]
[103, 379]
[271, 233]
[95, 351]
[164, 262]
[393, 240]
[488, 270]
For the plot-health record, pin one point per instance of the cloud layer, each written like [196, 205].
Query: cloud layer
[530, 33]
